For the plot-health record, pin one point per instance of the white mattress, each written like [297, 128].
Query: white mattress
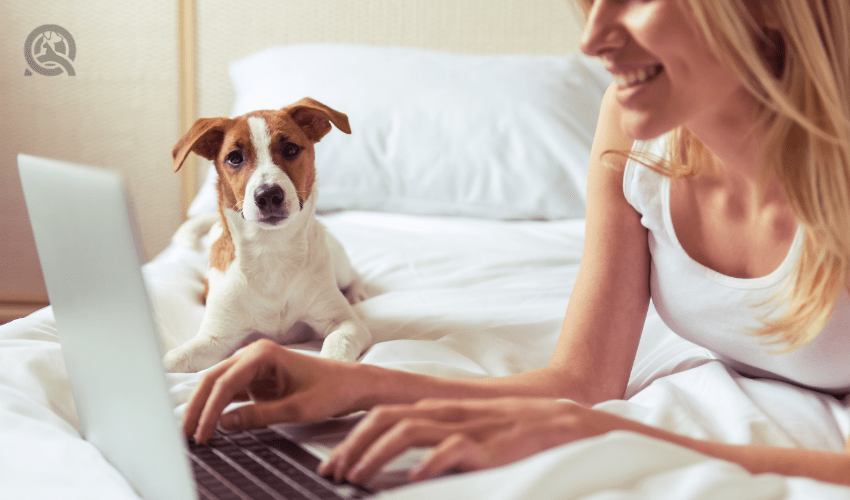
[452, 297]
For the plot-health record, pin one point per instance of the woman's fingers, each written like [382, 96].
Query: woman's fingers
[198, 399]
[382, 418]
[221, 395]
[242, 395]
[299, 407]
[389, 430]
[220, 385]
[465, 452]
[285, 386]
[373, 424]
[405, 434]
[376, 423]
[456, 452]
[411, 433]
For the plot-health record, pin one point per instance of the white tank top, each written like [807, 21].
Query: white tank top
[720, 312]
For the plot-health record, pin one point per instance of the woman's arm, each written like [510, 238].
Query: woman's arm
[826, 466]
[591, 363]
[469, 435]
[608, 305]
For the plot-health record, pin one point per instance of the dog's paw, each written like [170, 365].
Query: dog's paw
[341, 347]
[338, 354]
[177, 361]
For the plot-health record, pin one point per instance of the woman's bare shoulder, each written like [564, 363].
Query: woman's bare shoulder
[609, 132]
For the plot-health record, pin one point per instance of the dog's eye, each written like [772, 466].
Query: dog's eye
[290, 150]
[234, 158]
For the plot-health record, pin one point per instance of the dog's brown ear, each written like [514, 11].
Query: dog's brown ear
[315, 118]
[204, 138]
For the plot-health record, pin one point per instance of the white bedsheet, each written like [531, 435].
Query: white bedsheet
[455, 298]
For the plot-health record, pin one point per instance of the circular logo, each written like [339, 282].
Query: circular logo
[49, 50]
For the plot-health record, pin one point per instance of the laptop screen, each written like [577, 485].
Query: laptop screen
[89, 253]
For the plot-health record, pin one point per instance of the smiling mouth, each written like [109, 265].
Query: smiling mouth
[633, 78]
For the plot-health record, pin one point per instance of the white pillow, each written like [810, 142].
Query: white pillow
[498, 136]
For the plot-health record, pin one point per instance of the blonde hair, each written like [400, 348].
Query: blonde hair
[804, 90]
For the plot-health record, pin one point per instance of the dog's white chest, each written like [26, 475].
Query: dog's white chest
[262, 298]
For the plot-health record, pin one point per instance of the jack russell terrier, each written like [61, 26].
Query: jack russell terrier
[273, 264]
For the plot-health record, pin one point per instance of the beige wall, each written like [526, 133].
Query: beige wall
[121, 110]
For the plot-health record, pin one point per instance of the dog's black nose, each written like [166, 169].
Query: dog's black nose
[268, 197]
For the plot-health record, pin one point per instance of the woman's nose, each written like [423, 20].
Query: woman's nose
[604, 31]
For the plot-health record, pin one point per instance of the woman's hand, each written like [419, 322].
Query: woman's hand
[467, 434]
[285, 386]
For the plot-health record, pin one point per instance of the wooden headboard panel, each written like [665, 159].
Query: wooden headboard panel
[224, 31]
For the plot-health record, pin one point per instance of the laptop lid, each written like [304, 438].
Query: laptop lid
[89, 252]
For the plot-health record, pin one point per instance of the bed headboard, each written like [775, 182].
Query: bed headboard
[222, 33]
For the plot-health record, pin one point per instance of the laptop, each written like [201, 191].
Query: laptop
[89, 250]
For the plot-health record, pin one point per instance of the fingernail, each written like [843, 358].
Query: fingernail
[230, 421]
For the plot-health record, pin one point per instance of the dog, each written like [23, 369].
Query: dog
[272, 264]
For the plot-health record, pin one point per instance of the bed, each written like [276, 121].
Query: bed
[460, 200]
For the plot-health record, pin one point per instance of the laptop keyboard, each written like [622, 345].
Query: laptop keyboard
[261, 464]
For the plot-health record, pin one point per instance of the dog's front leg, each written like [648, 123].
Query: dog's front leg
[346, 336]
[216, 339]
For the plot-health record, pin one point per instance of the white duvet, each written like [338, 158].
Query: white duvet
[452, 297]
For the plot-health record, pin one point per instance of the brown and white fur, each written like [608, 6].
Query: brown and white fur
[273, 264]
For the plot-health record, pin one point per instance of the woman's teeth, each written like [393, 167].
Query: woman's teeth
[636, 77]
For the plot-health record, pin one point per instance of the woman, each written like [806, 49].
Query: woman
[748, 225]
